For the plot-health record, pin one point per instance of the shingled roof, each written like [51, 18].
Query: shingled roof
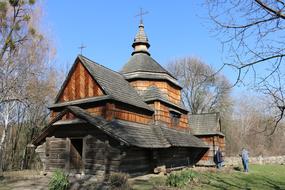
[133, 134]
[205, 124]
[153, 93]
[113, 84]
[143, 62]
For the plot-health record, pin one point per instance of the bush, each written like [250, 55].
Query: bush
[180, 179]
[59, 181]
[119, 181]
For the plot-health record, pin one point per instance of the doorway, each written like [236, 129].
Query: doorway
[76, 155]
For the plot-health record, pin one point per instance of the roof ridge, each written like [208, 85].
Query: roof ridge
[84, 57]
[208, 113]
[110, 80]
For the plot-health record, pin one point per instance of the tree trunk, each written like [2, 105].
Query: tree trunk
[3, 139]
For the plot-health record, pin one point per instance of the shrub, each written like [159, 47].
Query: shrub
[59, 181]
[119, 181]
[180, 179]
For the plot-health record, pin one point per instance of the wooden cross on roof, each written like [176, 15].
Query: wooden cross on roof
[141, 13]
[81, 47]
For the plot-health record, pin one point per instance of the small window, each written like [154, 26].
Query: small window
[175, 117]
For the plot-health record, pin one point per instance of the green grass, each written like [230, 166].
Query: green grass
[259, 177]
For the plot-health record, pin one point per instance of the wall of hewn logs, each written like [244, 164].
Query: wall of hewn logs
[111, 111]
[162, 114]
[214, 141]
[102, 155]
[57, 153]
[179, 157]
[136, 161]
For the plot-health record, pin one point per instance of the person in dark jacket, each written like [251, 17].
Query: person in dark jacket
[219, 158]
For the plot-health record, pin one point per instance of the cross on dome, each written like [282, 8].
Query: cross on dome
[141, 13]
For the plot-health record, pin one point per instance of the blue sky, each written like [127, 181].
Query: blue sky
[175, 29]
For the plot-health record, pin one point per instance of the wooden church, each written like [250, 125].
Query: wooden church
[130, 121]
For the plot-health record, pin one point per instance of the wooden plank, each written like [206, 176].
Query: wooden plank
[77, 83]
[86, 83]
[67, 152]
[96, 167]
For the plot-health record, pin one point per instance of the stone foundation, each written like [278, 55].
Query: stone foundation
[234, 161]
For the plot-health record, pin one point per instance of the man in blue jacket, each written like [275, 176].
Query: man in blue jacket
[245, 158]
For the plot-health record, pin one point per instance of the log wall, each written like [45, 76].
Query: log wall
[172, 92]
[136, 161]
[111, 111]
[214, 141]
[56, 153]
[177, 157]
[162, 114]
[80, 85]
[101, 154]
[123, 112]
[100, 157]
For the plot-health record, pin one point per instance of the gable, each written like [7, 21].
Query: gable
[114, 84]
[79, 84]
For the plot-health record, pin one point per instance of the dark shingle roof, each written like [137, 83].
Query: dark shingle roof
[181, 138]
[153, 93]
[133, 134]
[81, 101]
[136, 134]
[143, 62]
[205, 124]
[114, 84]
[152, 76]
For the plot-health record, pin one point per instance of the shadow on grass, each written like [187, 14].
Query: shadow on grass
[275, 184]
[246, 181]
[224, 184]
[237, 168]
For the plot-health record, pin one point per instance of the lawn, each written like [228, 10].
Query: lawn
[259, 177]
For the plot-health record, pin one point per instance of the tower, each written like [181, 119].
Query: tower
[155, 84]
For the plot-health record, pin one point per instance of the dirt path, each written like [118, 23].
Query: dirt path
[33, 180]
[39, 183]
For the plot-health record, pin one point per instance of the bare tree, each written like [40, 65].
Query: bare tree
[203, 91]
[24, 54]
[246, 127]
[252, 34]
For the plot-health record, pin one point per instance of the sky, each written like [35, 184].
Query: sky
[107, 28]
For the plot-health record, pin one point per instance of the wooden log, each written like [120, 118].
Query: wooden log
[67, 152]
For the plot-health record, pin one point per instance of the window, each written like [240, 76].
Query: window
[174, 117]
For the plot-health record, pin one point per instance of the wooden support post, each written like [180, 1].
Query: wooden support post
[110, 111]
[67, 155]
[47, 154]
[83, 154]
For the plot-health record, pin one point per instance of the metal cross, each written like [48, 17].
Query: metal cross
[81, 48]
[141, 15]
